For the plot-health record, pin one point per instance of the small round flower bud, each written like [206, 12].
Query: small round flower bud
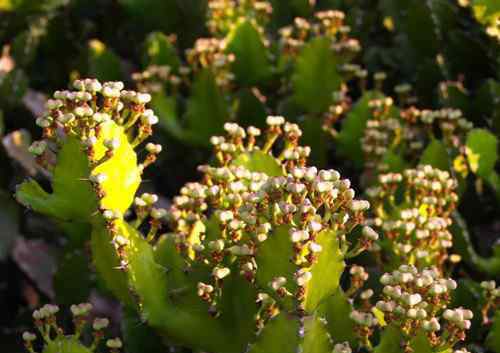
[100, 323]
[153, 148]
[221, 272]
[28, 336]
[114, 343]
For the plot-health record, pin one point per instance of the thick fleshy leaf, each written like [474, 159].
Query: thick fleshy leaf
[148, 280]
[238, 308]
[316, 76]
[66, 344]
[436, 155]
[316, 337]
[280, 335]
[103, 63]
[73, 197]
[390, 341]
[336, 310]
[259, 161]
[123, 174]
[108, 265]
[482, 152]
[326, 271]
[274, 258]
[493, 338]
[159, 50]
[420, 344]
[207, 110]
[251, 64]
[73, 264]
[353, 126]
[138, 337]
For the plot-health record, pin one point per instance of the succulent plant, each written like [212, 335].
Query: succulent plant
[256, 247]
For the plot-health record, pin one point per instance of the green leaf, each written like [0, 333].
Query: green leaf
[158, 50]
[436, 155]
[482, 152]
[238, 307]
[279, 335]
[420, 344]
[353, 127]
[273, 259]
[66, 344]
[108, 265]
[166, 109]
[390, 341]
[315, 137]
[251, 65]
[148, 280]
[330, 264]
[207, 110]
[73, 197]
[336, 309]
[251, 111]
[259, 161]
[493, 338]
[153, 14]
[395, 162]
[138, 337]
[316, 77]
[103, 63]
[316, 336]
[73, 264]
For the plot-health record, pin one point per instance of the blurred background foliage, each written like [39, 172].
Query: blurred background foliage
[440, 53]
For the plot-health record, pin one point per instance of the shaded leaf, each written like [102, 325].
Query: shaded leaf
[280, 335]
[482, 152]
[251, 65]
[159, 50]
[315, 77]
[436, 155]
[259, 161]
[326, 271]
[207, 111]
[336, 309]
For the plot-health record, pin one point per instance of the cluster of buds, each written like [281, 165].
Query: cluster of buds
[155, 78]
[341, 105]
[210, 53]
[417, 301]
[417, 226]
[383, 132]
[491, 294]
[223, 15]
[329, 24]
[52, 334]
[83, 113]
[251, 206]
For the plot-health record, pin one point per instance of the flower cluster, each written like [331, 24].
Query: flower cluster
[84, 113]
[491, 294]
[329, 24]
[251, 206]
[416, 225]
[223, 15]
[418, 300]
[52, 334]
[210, 53]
